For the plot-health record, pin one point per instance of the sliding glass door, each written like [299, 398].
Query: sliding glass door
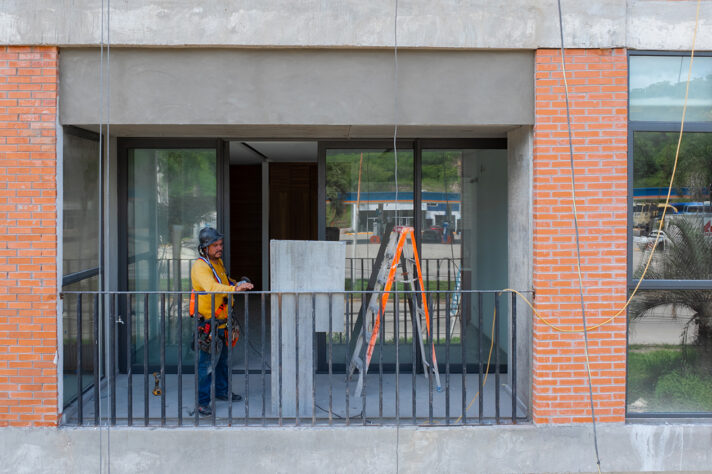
[456, 199]
[171, 193]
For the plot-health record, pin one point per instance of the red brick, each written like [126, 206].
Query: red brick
[560, 383]
[28, 313]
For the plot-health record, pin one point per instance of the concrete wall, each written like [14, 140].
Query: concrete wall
[522, 448]
[515, 24]
[325, 88]
[519, 215]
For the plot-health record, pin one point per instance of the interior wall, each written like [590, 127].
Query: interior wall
[246, 223]
[486, 254]
[293, 201]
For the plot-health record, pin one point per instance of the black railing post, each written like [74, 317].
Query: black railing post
[163, 359]
[111, 334]
[496, 356]
[196, 356]
[331, 353]
[447, 358]
[313, 335]
[279, 368]
[513, 368]
[213, 344]
[481, 397]
[463, 353]
[264, 362]
[397, 339]
[365, 373]
[179, 355]
[97, 359]
[129, 362]
[80, 404]
[296, 358]
[246, 398]
[146, 388]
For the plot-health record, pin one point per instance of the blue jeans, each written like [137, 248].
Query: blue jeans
[205, 377]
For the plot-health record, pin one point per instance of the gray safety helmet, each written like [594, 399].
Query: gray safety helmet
[207, 236]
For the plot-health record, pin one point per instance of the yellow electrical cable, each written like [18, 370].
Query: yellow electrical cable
[662, 219]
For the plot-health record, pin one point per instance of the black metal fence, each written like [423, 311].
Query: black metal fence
[144, 364]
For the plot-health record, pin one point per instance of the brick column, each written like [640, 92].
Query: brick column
[598, 98]
[28, 236]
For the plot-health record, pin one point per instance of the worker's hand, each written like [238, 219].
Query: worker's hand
[243, 286]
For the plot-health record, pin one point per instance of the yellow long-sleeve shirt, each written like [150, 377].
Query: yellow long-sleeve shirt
[203, 279]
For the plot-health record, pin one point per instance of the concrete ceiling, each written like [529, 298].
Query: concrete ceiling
[252, 152]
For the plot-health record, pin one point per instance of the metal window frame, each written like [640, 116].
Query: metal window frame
[669, 127]
[222, 202]
[417, 146]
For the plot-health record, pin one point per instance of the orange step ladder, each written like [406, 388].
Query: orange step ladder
[398, 243]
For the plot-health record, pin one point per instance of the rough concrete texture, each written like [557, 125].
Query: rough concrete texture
[243, 87]
[301, 265]
[527, 24]
[519, 215]
[524, 448]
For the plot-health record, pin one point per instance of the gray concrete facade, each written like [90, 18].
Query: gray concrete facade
[520, 248]
[301, 266]
[523, 448]
[322, 88]
[472, 24]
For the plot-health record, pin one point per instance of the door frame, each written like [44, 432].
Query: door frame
[417, 146]
[222, 165]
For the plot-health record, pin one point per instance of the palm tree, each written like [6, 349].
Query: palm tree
[688, 256]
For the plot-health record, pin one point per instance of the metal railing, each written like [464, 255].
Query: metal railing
[144, 365]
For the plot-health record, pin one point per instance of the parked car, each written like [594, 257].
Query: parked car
[646, 243]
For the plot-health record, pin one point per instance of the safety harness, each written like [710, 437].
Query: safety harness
[204, 326]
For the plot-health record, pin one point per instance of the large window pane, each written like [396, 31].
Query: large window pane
[80, 253]
[670, 351]
[657, 88]
[685, 248]
[172, 194]
[464, 243]
[361, 202]
[80, 208]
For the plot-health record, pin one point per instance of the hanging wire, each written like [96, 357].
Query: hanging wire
[395, 159]
[578, 241]
[99, 342]
[107, 144]
[395, 105]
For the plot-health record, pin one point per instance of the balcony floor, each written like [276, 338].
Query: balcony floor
[255, 402]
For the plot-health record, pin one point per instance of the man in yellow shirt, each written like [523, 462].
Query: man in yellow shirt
[208, 275]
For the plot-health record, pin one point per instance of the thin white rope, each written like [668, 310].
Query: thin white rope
[99, 341]
[395, 106]
[107, 144]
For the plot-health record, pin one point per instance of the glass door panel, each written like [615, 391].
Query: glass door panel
[361, 200]
[464, 247]
[172, 194]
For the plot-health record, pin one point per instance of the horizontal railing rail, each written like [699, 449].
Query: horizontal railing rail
[291, 364]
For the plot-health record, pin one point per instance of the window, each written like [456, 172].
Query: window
[670, 317]
[80, 252]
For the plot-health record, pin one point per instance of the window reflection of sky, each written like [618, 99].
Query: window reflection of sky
[648, 70]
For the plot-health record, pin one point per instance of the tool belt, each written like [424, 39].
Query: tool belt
[205, 330]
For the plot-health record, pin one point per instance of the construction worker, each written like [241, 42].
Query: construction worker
[208, 275]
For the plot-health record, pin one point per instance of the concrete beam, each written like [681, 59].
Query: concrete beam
[523, 448]
[314, 23]
[514, 24]
[298, 88]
